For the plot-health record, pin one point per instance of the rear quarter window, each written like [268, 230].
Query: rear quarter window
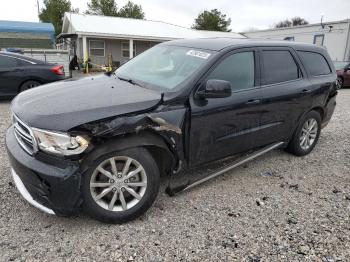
[315, 63]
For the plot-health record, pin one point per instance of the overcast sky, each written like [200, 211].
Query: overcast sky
[245, 14]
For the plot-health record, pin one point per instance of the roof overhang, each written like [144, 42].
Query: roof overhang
[127, 28]
[64, 36]
[118, 36]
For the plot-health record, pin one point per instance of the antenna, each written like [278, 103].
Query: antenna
[322, 24]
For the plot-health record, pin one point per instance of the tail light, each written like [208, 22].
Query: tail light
[58, 70]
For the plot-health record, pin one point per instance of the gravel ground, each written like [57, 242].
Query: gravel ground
[299, 212]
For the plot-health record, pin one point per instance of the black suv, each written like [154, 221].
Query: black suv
[100, 144]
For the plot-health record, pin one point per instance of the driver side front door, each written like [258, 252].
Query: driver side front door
[221, 127]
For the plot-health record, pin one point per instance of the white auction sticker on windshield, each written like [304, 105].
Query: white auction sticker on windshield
[199, 54]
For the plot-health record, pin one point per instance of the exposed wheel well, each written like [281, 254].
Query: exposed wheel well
[163, 158]
[152, 142]
[320, 110]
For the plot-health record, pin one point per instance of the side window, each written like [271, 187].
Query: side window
[238, 69]
[279, 66]
[6, 62]
[97, 48]
[315, 63]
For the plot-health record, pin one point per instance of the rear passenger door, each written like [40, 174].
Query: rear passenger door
[286, 93]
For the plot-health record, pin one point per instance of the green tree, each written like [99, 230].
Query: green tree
[132, 10]
[212, 20]
[295, 21]
[53, 12]
[109, 8]
[298, 21]
[284, 23]
[102, 7]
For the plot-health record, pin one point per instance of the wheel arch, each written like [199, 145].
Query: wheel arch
[318, 109]
[154, 143]
[36, 79]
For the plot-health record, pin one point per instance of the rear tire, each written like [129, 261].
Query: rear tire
[128, 196]
[28, 85]
[306, 135]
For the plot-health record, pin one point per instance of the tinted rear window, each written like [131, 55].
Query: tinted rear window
[315, 63]
[279, 66]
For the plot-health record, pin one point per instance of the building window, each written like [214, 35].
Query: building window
[318, 39]
[125, 49]
[289, 38]
[97, 48]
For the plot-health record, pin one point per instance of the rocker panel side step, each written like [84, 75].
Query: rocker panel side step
[235, 164]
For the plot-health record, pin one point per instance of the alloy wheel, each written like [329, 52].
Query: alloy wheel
[28, 85]
[308, 134]
[118, 183]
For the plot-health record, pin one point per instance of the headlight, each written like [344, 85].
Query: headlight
[59, 143]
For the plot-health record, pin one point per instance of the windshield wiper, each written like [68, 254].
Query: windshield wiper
[129, 80]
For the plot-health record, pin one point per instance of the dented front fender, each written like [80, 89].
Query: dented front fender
[169, 123]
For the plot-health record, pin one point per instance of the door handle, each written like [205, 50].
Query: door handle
[305, 91]
[253, 102]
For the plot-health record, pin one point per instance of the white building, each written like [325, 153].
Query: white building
[98, 36]
[335, 36]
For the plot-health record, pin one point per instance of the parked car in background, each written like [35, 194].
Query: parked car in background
[343, 73]
[14, 50]
[19, 73]
[100, 144]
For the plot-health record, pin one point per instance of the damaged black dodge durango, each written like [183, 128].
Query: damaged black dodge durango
[100, 144]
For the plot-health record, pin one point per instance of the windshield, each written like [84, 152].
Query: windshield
[164, 66]
[340, 65]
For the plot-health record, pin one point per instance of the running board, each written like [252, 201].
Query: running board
[236, 164]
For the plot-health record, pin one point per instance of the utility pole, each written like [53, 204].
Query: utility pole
[37, 3]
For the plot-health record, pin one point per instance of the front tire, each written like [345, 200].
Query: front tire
[306, 135]
[120, 186]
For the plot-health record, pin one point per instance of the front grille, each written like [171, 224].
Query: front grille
[24, 135]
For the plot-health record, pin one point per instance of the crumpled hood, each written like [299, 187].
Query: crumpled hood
[66, 104]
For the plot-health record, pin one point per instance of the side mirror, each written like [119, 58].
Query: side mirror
[215, 89]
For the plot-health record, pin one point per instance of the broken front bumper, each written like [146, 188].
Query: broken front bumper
[26, 195]
[52, 185]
